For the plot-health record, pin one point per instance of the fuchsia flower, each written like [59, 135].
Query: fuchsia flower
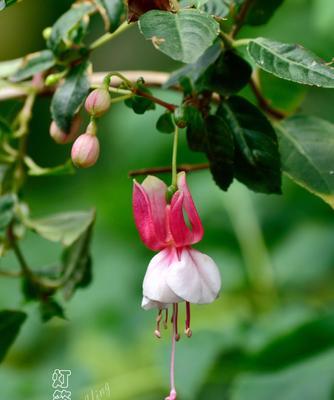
[178, 272]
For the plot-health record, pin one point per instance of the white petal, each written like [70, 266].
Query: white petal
[155, 287]
[147, 304]
[194, 277]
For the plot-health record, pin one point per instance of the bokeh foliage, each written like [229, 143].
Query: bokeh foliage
[270, 335]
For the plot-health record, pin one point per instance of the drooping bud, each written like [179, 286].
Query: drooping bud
[98, 102]
[85, 150]
[62, 137]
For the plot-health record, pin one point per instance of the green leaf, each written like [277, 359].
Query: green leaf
[113, 13]
[291, 62]
[34, 290]
[65, 26]
[219, 8]
[7, 68]
[50, 308]
[10, 325]
[77, 263]
[257, 162]
[195, 70]
[7, 205]
[34, 63]
[65, 227]
[165, 123]
[35, 170]
[196, 130]
[220, 151]
[229, 74]
[140, 104]
[261, 11]
[70, 95]
[307, 151]
[183, 36]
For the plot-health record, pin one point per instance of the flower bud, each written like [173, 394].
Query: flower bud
[53, 79]
[98, 102]
[85, 150]
[180, 117]
[62, 137]
[47, 33]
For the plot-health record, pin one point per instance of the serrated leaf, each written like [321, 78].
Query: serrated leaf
[220, 151]
[113, 12]
[195, 70]
[7, 68]
[10, 325]
[183, 36]
[307, 152]
[70, 95]
[77, 263]
[65, 227]
[257, 159]
[261, 11]
[35, 170]
[34, 63]
[64, 26]
[291, 62]
[165, 123]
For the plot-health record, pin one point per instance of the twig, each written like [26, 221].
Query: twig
[26, 271]
[151, 78]
[263, 102]
[240, 18]
[10, 274]
[168, 106]
[160, 170]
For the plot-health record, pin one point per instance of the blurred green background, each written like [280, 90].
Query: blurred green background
[270, 335]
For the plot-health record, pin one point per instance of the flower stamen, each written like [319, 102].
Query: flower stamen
[166, 319]
[175, 321]
[157, 331]
[188, 331]
[173, 395]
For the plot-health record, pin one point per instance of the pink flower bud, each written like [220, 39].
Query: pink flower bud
[85, 150]
[62, 137]
[98, 102]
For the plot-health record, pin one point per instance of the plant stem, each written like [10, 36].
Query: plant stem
[10, 274]
[240, 18]
[263, 102]
[161, 170]
[109, 36]
[168, 106]
[240, 42]
[26, 271]
[174, 156]
[120, 98]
